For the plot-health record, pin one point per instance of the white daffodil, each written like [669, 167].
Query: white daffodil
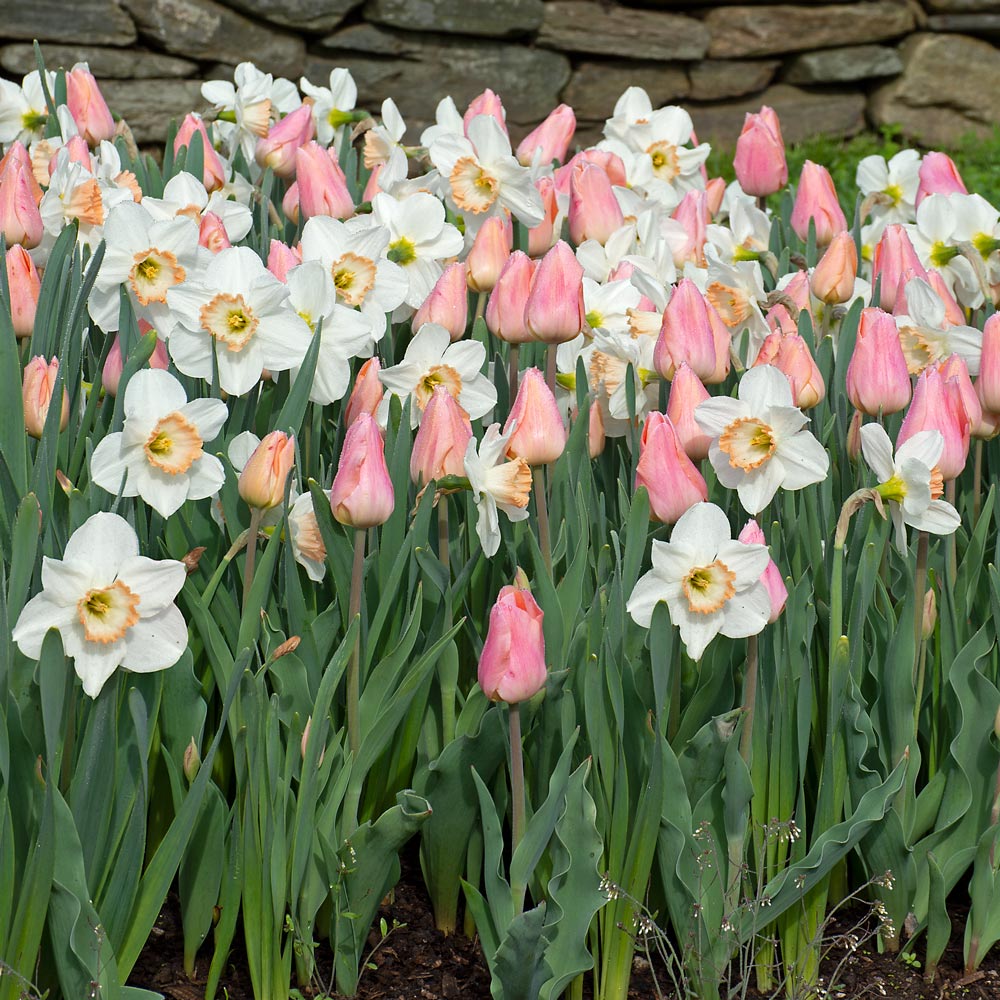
[23, 111]
[760, 441]
[496, 485]
[910, 481]
[978, 222]
[345, 333]
[419, 239]
[354, 255]
[112, 606]
[746, 236]
[238, 311]
[431, 359]
[890, 189]
[332, 106]
[448, 120]
[608, 371]
[710, 581]
[185, 195]
[160, 451]
[484, 175]
[308, 548]
[608, 306]
[598, 261]
[148, 257]
[74, 193]
[385, 138]
[935, 239]
[926, 335]
[736, 291]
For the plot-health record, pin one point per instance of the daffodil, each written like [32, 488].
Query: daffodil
[496, 485]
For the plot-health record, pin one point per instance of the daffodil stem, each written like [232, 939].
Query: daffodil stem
[256, 513]
[448, 662]
[354, 667]
[952, 550]
[919, 583]
[550, 367]
[749, 699]
[542, 510]
[443, 533]
[517, 798]
[512, 368]
[977, 485]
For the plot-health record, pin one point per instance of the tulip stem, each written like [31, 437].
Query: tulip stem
[977, 488]
[517, 799]
[354, 667]
[749, 699]
[919, 582]
[256, 513]
[952, 548]
[512, 366]
[542, 510]
[447, 664]
[550, 367]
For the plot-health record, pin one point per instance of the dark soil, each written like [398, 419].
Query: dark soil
[417, 962]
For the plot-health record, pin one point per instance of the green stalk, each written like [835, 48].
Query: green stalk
[354, 667]
[550, 367]
[256, 513]
[512, 370]
[517, 799]
[542, 510]
[952, 546]
[919, 583]
[447, 665]
[977, 484]
[749, 700]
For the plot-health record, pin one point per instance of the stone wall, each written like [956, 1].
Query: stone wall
[932, 66]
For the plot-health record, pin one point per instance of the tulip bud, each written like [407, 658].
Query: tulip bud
[20, 220]
[448, 303]
[39, 384]
[791, 355]
[322, 186]
[487, 103]
[955, 373]
[596, 438]
[304, 743]
[760, 162]
[290, 203]
[282, 258]
[854, 436]
[542, 237]
[75, 150]
[692, 331]
[715, 191]
[192, 761]
[512, 663]
[362, 494]
[262, 481]
[24, 285]
[550, 140]
[367, 392]
[692, 214]
[506, 306]
[442, 438]
[213, 170]
[939, 175]
[278, 148]
[672, 480]
[112, 372]
[554, 312]
[771, 577]
[594, 212]
[952, 310]
[893, 257]
[988, 383]
[539, 434]
[934, 407]
[17, 155]
[816, 200]
[833, 279]
[489, 253]
[686, 392]
[212, 233]
[878, 380]
[87, 106]
[929, 619]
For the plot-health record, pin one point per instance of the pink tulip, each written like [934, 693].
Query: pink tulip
[554, 312]
[87, 106]
[112, 372]
[20, 220]
[893, 257]
[816, 200]
[24, 285]
[791, 355]
[212, 233]
[543, 236]
[672, 480]
[771, 577]
[550, 140]
[937, 406]
[362, 494]
[322, 184]
[213, 170]
[939, 175]
[75, 150]
[686, 392]
[512, 663]
[281, 258]
[489, 252]
[367, 392]
[596, 438]
[539, 434]
[448, 303]
[487, 103]
[715, 191]
[833, 279]
[878, 380]
[279, 147]
[610, 163]
[988, 383]
[17, 155]
[507, 301]
[441, 441]
[760, 155]
[692, 214]
[262, 481]
[692, 331]
[39, 384]
[290, 203]
[956, 377]
[952, 310]
[594, 212]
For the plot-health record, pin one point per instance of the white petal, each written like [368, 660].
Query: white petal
[877, 449]
[208, 415]
[757, 488]
[102, 543]
[940, 518]
[804, 461]
[156, 582]
[701, 529]
[157, 642]
[748, 562]
[746, 613]
[765, 386]
[697, 631]
[94, 664]
[715, 415]
[649, 590]
[108, 466]
[36, 618]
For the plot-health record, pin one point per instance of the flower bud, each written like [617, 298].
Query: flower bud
[489, 253]
[448, 303]
[929, 619]
[487, 103]
[87, 106]
[512, 663]
[281, 258]
[442, 438]
[854, 436]
[550, 140]
[816, 200]
[290, 203]
[39, 384]
[322, 186]
[278, 149]
[542, 237]
[112, 372]
[554, 312]
[715, 191]
[935, 407]
[20, 220]
[892, 258]
[213, 170]
[24, 285]
[596, 438]
[759, 162]
[672, 480]
[833, 279]
[212, 233]
[594, 212]
[791, 355]
[955, 373]
[988, 383]
[692, 214]
[18, 155]
[877, 377]
[771, 577]
[367, 392]
[262, 481]
[939, 175]
[686, 392]
[692, 331]
[192, 761]
[539, 434]
[506, 306]
[75, 150]
[362, 494]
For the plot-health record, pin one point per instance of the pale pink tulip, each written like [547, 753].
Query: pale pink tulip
[448, 303]
[321, 183]
[213, 169]
[672, 480]
[878, 380]
[935, 406]
[816, 200]
[366, 394]
[550, 140]
[939, 175]
[512, 664]
[790, 354]
[278, 149]
[692, 331]
[87, 106]
[506, 306]
[362, 495]
[554, 312]
[489, 252]
[262, 481]
[20, 220]
[594, 212]
[771, 577]
[39, 384]
[686, 392]
[24, 285]
[760, 162]
[441, 441]
[833, 278]
[539, 436]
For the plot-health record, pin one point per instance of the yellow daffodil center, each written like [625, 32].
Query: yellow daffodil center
[941, 254]
[230, 320]
[748, 442]
[107, 613]
[174, 444]
[985, 244]
[666, 163]
[567, 380]
[336, 118]
[732, 304]
[353, 277]
[33, 121]
[402, 251]
[153, 272]
[707, 588]
[438, 375]
[895, 192]
[594, 319]
[472, 187]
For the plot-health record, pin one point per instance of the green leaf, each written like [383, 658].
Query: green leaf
[519, 967]
[294, 410]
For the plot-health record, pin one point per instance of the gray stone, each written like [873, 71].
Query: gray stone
[717, 79]
[843, 65]
[417, 71]
[962, 5]
[762, 31]
[463, 17]
[966, 24]
[89, 22]
[148, 105]
[203, 29]
[585, 26]
[802, 114]
[945, 91]
[305, 15]
[105, 63]
[594, 87]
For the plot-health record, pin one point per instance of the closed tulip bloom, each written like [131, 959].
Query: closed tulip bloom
[112, 372]
[952, 310]
[594, 212]
[596, 436]
[892, 258]
[550, 140]
[213, 170]
[39, 384]
[487, 103]
[937, 406]
[790, 354]
[505, 310]
[760, 162]
[362, 495]
[321, 184]
[20, 220]
[441, 441]
[687, 392]
[212, 233]
[290, 203]
[715, 191]
[988, 383]
[816, 200]
[771, 577]
[448, 303]
[692, 331]
[537, 431]
[87, 106]
[939, 175]
[281, 258]
[18, 155]
[489, 252]
[692, 214]
[24, 285]
[512, 663]
[833, 279]
[878, 380]
[75, 150]
[554, 312]
[262, 481]
[543, 236]
[672, 480]
[278, 148]
[367, 392]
